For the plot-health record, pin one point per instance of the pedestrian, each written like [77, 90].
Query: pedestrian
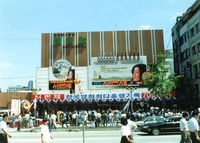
[125, 131]
[92, 120]
[74, 118]
[19, 122]
[98, 118]
[105, 123]
[27, 117]
[45, 113]
[53, 118]
[3, 130]
[185, 135]
[116, 117]
[13, 121]
[30, 124]
[45, 135]
[131, 124]
[111, 118]
[194, 127]
[49, 122]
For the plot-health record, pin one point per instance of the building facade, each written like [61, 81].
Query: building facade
[102, 64]
[186, 48]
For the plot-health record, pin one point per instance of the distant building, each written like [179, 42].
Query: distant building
[17, 88]
[170, 58]
[30, 84]
[186, 48]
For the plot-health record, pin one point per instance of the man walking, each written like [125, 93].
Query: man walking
[185, 135]
[3, 130]
[131, 124]
[19, 122]
[194, 127]
[13, 121]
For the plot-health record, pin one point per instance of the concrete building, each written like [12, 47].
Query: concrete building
[17, 88]
[186, 48]
[30, 84]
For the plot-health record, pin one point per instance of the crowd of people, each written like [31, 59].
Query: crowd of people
[189, 130]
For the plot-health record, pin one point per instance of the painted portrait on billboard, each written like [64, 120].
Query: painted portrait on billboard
[61, 69]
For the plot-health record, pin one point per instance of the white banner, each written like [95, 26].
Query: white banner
[15, 107]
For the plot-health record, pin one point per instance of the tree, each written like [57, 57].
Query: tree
[159, 83]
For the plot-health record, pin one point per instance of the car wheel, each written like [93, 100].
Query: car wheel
[156, 131]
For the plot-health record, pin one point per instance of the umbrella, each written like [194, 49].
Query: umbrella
[59, 112]
[109, 110]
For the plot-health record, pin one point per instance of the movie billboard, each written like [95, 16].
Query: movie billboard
[61, 75]
[117, 73]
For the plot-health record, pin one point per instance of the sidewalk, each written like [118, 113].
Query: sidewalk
[67, 129]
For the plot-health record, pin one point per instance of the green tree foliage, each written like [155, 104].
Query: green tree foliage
[159, 83]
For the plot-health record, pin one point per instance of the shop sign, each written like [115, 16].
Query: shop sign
[57, 40]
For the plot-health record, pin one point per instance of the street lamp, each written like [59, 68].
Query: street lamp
[36, 91]
[131, 89]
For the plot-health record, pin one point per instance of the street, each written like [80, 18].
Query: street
[93, 136]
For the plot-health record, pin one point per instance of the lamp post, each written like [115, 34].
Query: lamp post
[36, 91]
[131, 89]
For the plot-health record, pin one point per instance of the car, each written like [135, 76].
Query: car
[8, 112]
[168, 124]
[148, 120]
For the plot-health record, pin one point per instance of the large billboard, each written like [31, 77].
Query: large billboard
[117, 73]
[61, 76]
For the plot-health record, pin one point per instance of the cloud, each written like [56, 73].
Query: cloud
[5, 64]
[144, 27]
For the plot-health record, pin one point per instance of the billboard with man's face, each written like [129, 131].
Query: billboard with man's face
[117, 73]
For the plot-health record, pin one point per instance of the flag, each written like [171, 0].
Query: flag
[127, 105]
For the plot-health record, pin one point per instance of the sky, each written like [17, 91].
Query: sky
[23, 21]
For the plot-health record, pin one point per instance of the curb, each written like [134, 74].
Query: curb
[37, 129]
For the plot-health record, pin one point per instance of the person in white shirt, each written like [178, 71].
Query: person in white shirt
[53, 119]
[194, 127]
[131, 124]
[45, 135]
[125, 131]
[3, 130]
[185, 135]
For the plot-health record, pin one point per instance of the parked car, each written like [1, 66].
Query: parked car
[168, 124]
[8, 112]
[148, 120]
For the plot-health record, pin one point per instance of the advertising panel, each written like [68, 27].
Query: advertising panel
[15, 107]
[61, 76]
[117, 73]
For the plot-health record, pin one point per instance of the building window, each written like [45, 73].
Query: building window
[197, 28]
[194, 70]
[194, 50]
[198, 46]
[192, 32]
